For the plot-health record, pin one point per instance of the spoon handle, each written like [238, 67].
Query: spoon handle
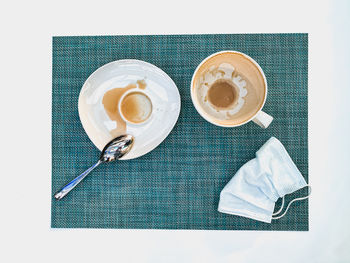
[68, 187]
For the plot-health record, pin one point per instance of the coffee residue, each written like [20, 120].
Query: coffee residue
[142, 84]
[110, 102]
[222, 94]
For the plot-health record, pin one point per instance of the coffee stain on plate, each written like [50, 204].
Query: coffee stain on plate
[110, 103]
[141, 83]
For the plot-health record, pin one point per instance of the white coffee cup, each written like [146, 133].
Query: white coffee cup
[251, 67]
[141, 107]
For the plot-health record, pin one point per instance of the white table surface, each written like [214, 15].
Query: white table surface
[27, 28]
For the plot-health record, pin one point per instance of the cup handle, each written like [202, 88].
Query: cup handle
[263, 119]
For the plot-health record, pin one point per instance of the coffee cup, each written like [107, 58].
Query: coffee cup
[229, 89]
[135, 107]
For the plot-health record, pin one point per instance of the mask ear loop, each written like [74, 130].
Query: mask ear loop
[291, 202]
[281, 208]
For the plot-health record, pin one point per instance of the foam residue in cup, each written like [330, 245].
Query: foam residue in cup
[223, 72]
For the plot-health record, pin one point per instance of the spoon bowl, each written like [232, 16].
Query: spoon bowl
[116, 148]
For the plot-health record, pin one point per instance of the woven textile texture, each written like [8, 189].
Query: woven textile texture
[177, 185]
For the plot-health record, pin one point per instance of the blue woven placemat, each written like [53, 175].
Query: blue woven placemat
[177, 185]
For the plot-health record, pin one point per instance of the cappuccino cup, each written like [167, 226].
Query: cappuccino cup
[229, 89]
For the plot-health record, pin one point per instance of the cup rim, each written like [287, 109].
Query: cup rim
[134, 90]
[201, 112]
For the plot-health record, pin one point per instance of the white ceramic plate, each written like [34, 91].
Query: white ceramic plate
[161, 88]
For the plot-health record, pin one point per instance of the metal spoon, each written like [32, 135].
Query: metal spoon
[114, 150]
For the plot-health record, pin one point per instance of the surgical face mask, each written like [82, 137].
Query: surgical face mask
[257, 185]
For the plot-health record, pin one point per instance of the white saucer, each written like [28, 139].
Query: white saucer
[165, 100]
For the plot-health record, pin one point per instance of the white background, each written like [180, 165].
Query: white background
[27, 28]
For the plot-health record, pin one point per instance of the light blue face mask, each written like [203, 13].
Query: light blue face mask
[257, 185]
